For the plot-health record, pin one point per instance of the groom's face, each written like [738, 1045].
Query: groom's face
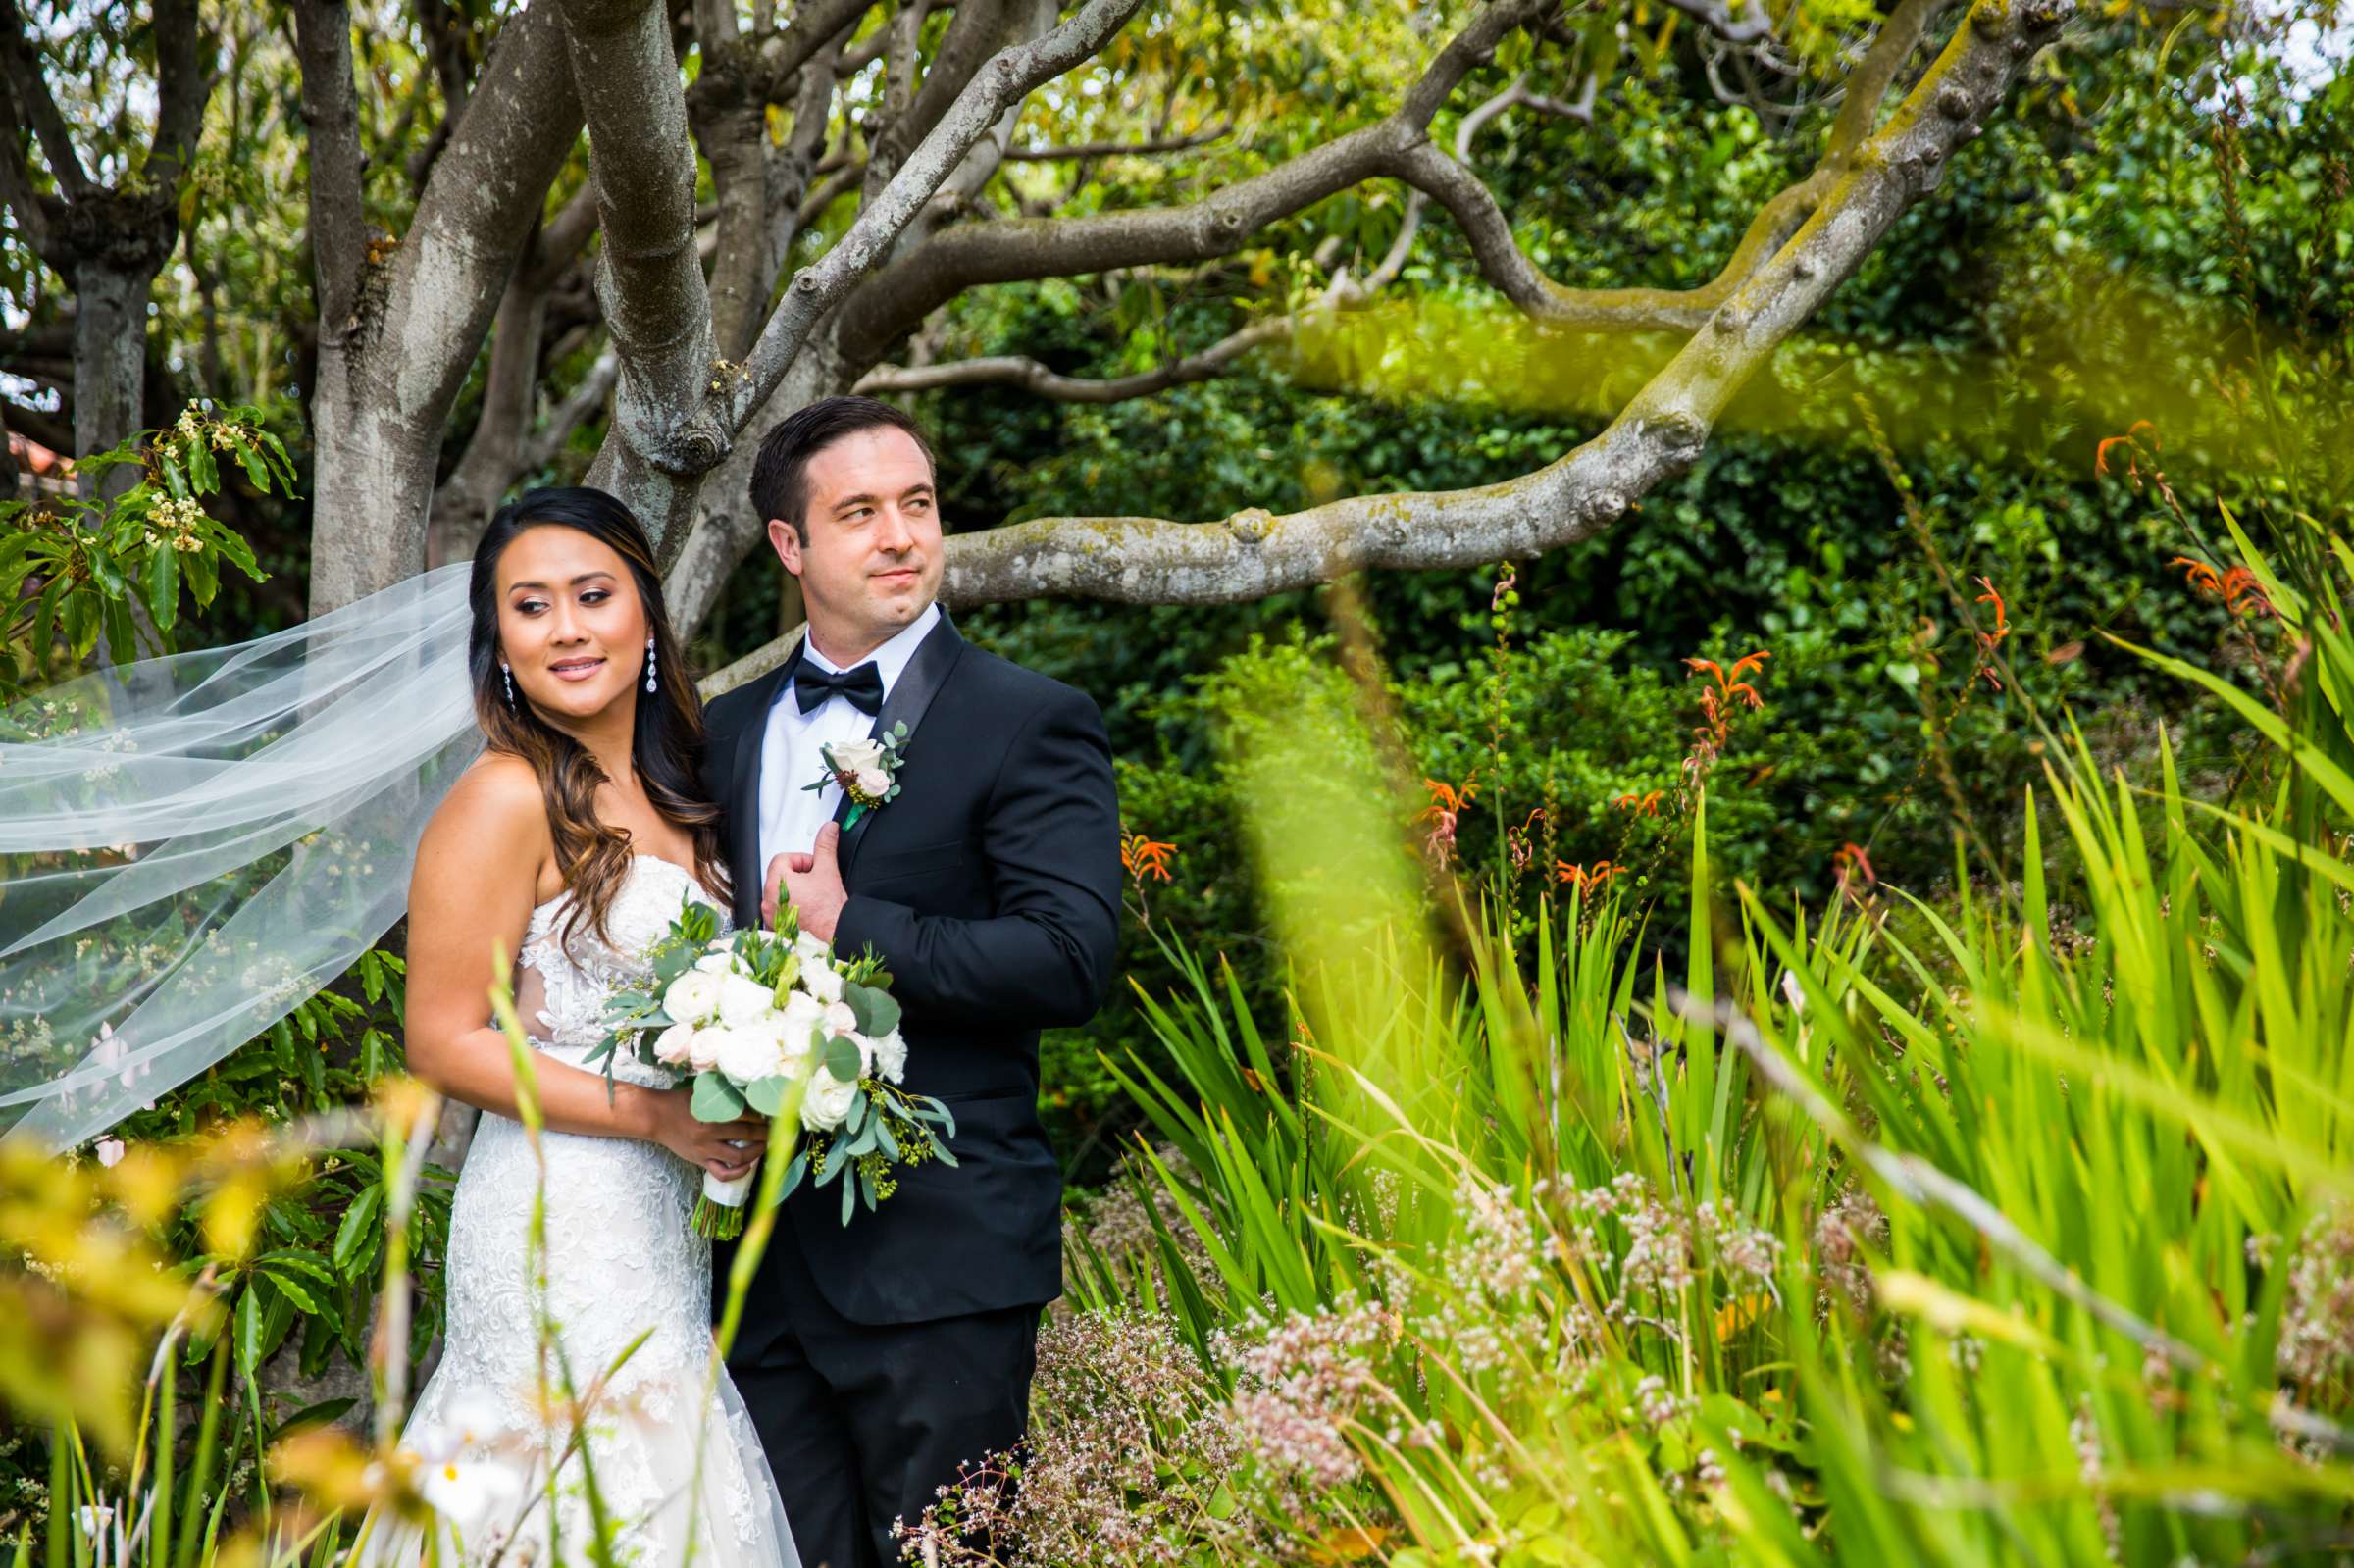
[871, 561]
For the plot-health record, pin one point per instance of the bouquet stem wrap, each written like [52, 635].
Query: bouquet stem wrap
[719, 1212]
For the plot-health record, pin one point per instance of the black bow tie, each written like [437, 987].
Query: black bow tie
[862, 687]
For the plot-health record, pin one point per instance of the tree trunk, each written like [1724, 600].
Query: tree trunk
[372, 481]
[110, 365]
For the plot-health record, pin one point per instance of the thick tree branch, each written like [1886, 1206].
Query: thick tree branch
[330, 111]
[1030, 375]
[37, 212]
[728, 105]
[650, 277]
[182, 87]
[34, 105]
[1121, 149]
[1253, 553]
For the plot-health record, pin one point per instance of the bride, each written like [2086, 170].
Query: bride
[572, 841]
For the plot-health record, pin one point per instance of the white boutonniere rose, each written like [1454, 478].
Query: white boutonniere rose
[868, 771]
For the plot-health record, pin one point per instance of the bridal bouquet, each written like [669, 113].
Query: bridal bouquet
[776, 1022]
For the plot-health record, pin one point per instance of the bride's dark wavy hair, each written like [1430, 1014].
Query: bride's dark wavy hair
[666, 747]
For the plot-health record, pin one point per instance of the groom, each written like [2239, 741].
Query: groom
[877, 1358]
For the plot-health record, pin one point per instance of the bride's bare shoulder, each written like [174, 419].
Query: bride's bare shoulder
[495, 812]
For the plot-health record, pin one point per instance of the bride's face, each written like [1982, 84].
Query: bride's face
[570, 624]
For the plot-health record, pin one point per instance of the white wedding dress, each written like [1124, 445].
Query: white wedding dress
[620, 1262]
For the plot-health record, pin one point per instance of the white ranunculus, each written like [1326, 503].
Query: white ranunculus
[839, 1019]
[873, 782]
[815, 950]
[890, 1055]
[702, 1050]
[749, 1055]
[827, 1101]
[670, 1047]
[857, 757]
[722, 962]
[823, 981]
[692, 997]
[743, 1002]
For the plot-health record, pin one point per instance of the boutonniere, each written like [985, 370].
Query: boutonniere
[868, 771]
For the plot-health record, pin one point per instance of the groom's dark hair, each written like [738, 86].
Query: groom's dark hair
[781, 474]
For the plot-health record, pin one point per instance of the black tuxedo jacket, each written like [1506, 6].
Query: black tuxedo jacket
[990, 887]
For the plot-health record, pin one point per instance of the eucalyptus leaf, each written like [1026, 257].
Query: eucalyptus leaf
[841, 1058]
[766, 1094]
[715, 1099]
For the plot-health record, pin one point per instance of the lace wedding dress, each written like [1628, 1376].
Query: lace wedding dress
[620, 1263]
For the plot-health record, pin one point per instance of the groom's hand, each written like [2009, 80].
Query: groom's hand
[811, 882]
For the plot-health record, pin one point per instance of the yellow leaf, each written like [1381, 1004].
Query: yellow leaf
[1354, 1543]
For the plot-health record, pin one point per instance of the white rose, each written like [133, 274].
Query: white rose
[743, 1002]
[890, 1055]
[704, 1046]
[857, 757]
[827, 1101]
[873, 782]
[805, 1016]
[692, 997]
[670, 1047]
[749, 1055]
[823, 981]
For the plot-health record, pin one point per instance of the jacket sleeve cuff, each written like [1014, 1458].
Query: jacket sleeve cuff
[868, 922]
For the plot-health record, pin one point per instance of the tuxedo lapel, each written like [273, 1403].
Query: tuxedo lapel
[743, 792]
[910, 699]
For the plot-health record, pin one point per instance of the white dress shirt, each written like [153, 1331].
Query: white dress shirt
[791, 814]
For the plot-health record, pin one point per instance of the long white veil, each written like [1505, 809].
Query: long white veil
[192, 845]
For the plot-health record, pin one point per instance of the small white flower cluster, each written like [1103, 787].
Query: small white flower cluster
[175, 520]
[726, 1022]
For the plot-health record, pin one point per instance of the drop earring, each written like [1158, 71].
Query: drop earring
[506, 675]
[649, 664]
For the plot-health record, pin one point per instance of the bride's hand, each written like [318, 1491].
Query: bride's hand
[707, 1145]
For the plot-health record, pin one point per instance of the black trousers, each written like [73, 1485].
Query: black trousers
[864, 1423]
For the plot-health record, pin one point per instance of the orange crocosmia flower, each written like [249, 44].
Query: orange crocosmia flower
[2002, 618]
[1648, 803]
[1143, 857]
[1854, 863]
[2200, 577]
[1445, 799]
